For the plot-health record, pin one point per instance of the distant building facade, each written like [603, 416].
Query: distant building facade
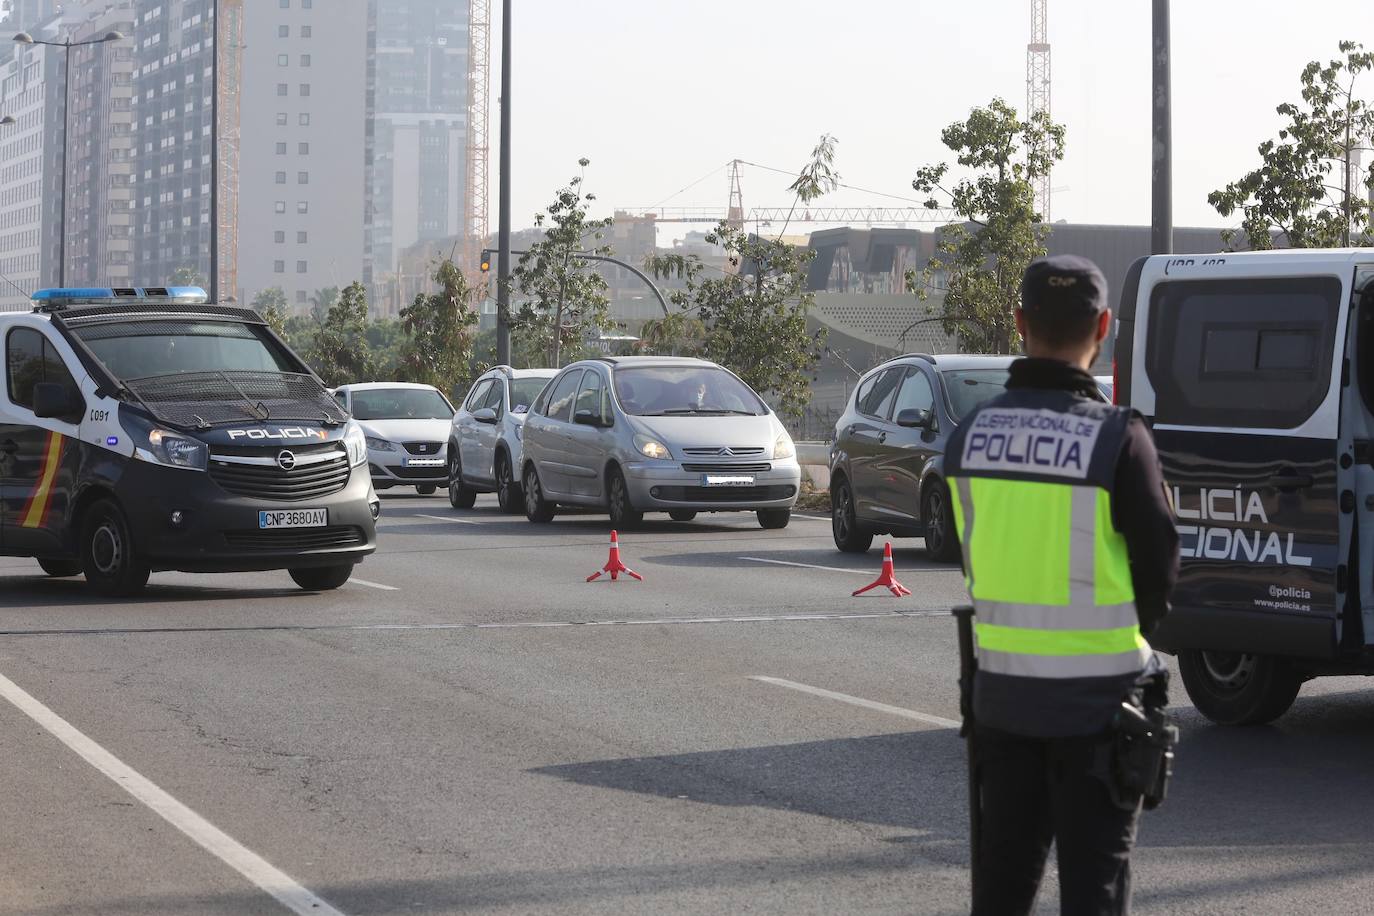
[417, 112]
[302, 166]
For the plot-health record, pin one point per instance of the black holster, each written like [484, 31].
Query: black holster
[1142, 757]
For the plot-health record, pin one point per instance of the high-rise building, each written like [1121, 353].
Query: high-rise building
[25, 14]
[302, 155]
[418, 103]
[30, 180]
[174, 43]
[100, 146]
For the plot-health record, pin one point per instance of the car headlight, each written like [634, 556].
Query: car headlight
[357, 444]
[652, 448]
[378, 445]
[783, 448]
[174, 450]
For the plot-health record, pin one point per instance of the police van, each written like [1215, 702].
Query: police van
[148, 429]
[1256, 372]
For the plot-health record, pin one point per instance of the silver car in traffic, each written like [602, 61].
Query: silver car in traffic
[636, 434]
[484, 443]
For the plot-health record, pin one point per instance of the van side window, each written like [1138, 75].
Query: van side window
[876, 400]
[30, 359]
[1242, 353]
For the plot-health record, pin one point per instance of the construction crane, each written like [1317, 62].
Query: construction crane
[1038, 89]
[736, 215]
[479, 95]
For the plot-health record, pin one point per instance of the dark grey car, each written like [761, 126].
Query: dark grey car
[887, 463]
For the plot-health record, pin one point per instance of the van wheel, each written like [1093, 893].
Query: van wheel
[107, 552]
[1236, 688]
[537, 508]
[321, 578]
[459, 496]
[426, 489]
[59, 569]
[624, 516]
[942, 541]
[508, 494]
[844, 522]
[772, 519]
[682, 515]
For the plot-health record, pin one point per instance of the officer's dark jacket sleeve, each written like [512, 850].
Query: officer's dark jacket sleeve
[1142, 513]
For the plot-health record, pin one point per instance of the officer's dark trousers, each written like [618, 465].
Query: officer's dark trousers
[1035, 790]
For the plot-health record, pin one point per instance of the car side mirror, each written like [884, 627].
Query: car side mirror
[485, 415]
[916, 418]
[587, 417]
[52, 400]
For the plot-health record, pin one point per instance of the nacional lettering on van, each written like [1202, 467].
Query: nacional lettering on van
[1217, 542]
[1031, 441]
[279, 432]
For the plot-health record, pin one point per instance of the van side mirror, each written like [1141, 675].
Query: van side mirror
[589, 417]
[52, 400]
[916, 418]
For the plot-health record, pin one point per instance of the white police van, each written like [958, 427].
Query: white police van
[1256, 372]
[147, 429]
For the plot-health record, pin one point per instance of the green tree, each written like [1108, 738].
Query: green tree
[982, 260]
[566, 301]
[1293, 191]
[755, 318]
[188, 276]
[439, 329]
[322, 300]
[386, 337]
[675, 334]
[341, 353]
[271, 305]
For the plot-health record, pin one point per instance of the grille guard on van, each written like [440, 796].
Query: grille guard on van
[201, 400]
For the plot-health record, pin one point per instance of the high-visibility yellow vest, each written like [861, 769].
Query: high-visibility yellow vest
[1057, 634]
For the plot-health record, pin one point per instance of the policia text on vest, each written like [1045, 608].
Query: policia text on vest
[1070, 553]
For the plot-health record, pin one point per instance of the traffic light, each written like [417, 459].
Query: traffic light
[486, 261]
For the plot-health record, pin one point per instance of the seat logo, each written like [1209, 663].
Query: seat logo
[286, 459]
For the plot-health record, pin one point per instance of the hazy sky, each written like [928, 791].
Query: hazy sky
[659, 93]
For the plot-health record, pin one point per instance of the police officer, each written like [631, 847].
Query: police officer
[1070, 553]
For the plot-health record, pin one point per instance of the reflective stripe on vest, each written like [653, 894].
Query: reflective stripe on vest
[1050, 579]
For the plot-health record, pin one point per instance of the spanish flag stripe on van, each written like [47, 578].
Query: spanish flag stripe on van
[37, 507]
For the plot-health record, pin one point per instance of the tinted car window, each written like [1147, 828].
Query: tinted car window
[592, 396]
[477, 395]
[915, 394]
[967, 388]
[31, 359]
[400, 404]
[876, 400]
[139, 349]
[657, 390]
[494, 395]
[1252, 353]
[523, 391]
[560, 401]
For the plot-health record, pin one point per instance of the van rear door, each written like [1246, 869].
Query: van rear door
[1240, 373]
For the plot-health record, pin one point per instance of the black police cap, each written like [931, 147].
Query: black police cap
[1064, 285]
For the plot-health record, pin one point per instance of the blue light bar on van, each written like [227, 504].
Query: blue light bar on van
[98, 295]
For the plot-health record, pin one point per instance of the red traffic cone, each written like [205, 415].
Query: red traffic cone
[887, 578]
[613, 564]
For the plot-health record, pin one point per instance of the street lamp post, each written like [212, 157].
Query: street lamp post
[24, 38]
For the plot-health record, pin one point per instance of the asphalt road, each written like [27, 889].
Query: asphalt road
[470, 727]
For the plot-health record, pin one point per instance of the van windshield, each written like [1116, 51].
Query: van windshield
[656, 391]
[140, 349]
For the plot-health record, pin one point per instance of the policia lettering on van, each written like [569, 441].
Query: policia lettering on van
[145, 429]
[1256, 372]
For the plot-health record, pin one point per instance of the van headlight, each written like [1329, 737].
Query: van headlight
[783, 448]
[356, 443]
[652, 448]
[163, 446]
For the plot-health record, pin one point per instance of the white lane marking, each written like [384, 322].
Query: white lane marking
[231, 852]
[386, 588]
[858, 701]
[449, 518]
[812, 518]
[807, 565]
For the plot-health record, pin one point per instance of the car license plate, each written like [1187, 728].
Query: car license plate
[727, 480]
[293, 518]
[423, 462]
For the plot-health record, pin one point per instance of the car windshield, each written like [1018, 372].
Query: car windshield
[400, 404]
[655, 391]
[139, 349]
[970, 387]
[523, 391]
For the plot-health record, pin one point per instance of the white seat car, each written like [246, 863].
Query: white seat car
[485, 446]
[407, 432]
